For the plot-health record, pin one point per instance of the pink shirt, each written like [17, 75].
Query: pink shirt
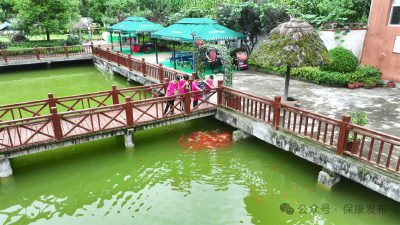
[171, 88]
[194, 88]
[210, 83]
[182, 86]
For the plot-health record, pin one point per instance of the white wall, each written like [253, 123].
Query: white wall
[354, 40]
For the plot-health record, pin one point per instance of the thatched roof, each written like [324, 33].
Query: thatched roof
[294, 43]
[80, 26]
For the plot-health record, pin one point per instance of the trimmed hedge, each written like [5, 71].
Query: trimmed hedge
[361, 74]
[41, 44]
[344, 61]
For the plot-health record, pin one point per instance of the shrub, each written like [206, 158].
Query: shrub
[73, 41]
[233, 53]
[344, 61]
[18, 38]
[1, 45]
[369, 71]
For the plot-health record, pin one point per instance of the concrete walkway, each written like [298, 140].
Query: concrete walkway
[381, 104]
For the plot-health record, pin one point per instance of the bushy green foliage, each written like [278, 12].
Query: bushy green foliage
[344, 61]
[233, 53]
[39, 44]
[367, 73]
[18, 38]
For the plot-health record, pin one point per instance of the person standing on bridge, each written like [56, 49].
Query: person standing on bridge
[184, 83]
[172, 89]
[195, 87]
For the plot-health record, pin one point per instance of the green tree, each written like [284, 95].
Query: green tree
[96, 9]
[120, 9]
[38, 16]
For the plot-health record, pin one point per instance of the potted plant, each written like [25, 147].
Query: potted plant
[375, 82]
[390, 84]
[379, 83]
[351, 84]
[368, 84]
[356, 84]
[361, 83]
[359, 118]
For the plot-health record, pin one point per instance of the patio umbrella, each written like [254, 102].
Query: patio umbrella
[292, 44]
[134, 25]
[206, 29]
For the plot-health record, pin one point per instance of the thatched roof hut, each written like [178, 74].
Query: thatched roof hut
[80, 26]
[292, 44]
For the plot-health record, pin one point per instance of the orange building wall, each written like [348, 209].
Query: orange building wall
[380, 38]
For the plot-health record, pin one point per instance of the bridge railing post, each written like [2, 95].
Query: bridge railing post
[166, 83]
[66, 50]
[343, 135]
[143, 67]
[129, 111]
[108, 54]
[187, 101]
[51, 101]
[277, 112]
[37, 53]
[129, 62]
[4, 54]
[114, 94]
[160, 72]
[91, 46]
[56, 123]
[118, 58]
[219, 92]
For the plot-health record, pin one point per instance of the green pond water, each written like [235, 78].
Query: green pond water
[159, 182]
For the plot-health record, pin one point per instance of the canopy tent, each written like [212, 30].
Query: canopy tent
[206, 29]
[134, 25]
[7, 30]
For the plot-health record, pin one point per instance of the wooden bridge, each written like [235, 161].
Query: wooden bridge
[29, 123]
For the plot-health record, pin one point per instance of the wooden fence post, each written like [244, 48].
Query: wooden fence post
[114, 94]
[56, 123]
[143, 67]
[187, 101]
[92, 47]
[108, 53]
[66, 50]
[343, 135]
[129, 62]
[166, 83]
[37, 53]
[4, 54]
[160, 72]
[118, 58]
[219, 92]
[129, 111]
[277, 112]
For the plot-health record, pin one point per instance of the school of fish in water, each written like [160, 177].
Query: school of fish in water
[213, 140]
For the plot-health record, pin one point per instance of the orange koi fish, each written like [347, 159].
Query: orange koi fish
[278, 169]
[260, 200]
[272, 165]
[295, 188]
[285, 195]
[295, 201]
[168, 144]
[219, 163]
[310, 189]
[141, 160]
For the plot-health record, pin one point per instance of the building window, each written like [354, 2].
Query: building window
[395, 14]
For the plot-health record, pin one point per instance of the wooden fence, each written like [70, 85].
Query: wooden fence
[40, 53]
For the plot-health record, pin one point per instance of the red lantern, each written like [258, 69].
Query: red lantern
[200, 42]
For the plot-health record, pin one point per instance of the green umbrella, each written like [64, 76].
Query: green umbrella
[134, 25]
[208, 30]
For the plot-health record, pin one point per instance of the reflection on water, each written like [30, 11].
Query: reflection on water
[160, 182]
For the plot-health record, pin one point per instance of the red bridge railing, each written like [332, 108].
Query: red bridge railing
[374, 147]
[156, 71]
